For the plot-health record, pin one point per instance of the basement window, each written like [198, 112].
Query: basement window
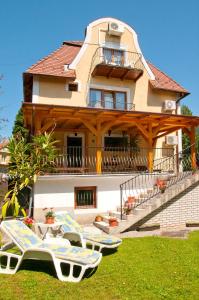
[73, 87]
[85, 197]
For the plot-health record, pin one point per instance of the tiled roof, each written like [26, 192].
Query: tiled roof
[75, 43]
[4, 144]
[53, 65]
[164, 82]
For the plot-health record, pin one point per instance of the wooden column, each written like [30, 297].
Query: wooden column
[193, 147]
[99, 149]
[37, 125]
[150, 149]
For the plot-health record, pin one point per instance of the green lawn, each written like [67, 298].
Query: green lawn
[143, 268]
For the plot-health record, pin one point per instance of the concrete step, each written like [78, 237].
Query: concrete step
[147, 207]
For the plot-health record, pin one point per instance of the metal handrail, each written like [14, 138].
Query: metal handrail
[146, 185]
[130, 60]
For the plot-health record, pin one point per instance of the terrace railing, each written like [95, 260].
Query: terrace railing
[78, 160]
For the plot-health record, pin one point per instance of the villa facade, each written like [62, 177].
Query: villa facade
[112, 112]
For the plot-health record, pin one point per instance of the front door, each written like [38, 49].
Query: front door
[74, 151]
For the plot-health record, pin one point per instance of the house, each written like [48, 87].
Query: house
[114, 114]
[4, 155]
[4, 161]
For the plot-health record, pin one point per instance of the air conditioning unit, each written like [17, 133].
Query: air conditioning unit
[115, 29]
[169, 105]
[171, 140]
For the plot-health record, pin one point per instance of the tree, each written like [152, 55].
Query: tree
[19, 125]
[185, 110]
[28, 160]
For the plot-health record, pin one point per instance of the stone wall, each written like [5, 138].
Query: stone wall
[177, 212]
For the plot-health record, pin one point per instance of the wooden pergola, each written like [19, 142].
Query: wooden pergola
[40, 118]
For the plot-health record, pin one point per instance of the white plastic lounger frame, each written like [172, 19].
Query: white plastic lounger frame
[76, 233]
[39, 253]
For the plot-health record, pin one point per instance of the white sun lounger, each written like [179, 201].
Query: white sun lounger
[73, 231]
[59, 251]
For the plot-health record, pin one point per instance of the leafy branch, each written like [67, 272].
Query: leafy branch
[27, 162]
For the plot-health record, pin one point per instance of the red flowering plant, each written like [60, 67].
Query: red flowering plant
[28, 221]
[161, 184]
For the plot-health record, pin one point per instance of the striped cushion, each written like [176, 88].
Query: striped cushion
[74, 254]
[69, 224]
[102, 238]
[23, 235]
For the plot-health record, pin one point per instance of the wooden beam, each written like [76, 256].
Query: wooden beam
[187, 131]
[108, 125]
[110, 72]
[47, 125]
[166, 132]
[193, 148]
[37, 125]
[127, 71]
[150, 150]
[143, 130]
[99, 149]
[89, 126]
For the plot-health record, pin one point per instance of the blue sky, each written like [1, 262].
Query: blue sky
[168, 33]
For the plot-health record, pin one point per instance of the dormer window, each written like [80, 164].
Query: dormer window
[113, 56]
[73, 87]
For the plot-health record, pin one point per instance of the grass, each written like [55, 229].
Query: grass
[143, 268]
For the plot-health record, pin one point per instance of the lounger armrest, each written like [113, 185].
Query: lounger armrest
[7, 246]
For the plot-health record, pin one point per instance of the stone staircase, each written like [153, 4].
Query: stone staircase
[147, 206]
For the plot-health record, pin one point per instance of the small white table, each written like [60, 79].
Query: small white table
[44, 229]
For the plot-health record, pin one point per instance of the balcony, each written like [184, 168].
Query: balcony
[113, 63]
[114, 160]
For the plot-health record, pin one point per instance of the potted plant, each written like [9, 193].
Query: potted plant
[161, 184]
[113, 222]
[50, 216]
[29, 222]
[127, 210]
[98, 218]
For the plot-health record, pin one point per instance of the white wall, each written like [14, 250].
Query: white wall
[58, 192]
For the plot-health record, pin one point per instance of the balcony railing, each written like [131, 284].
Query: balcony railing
[119, 64]
[119, 105]
[76, 160]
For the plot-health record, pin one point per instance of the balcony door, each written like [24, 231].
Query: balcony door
[108, 99]
[75, 150]
[113, 56]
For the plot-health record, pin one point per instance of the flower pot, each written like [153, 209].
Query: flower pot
[162, 189]
[50, 220]
[98, 219]
[113, 222]
[131, 199]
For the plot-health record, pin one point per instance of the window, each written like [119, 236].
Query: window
[108, 99]
[73, 87]
[113, 56]
[85, 197]
[112, 143]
